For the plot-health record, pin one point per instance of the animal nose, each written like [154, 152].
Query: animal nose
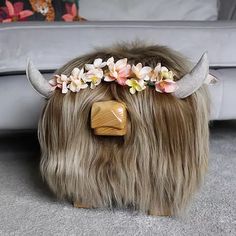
[109, 118]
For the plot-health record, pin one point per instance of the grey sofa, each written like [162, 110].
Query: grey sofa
[51, 45]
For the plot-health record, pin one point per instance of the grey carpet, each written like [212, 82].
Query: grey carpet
[28, 208]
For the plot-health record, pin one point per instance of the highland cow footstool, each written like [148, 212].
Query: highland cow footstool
[125, 126]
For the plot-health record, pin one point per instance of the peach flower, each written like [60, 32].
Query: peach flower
[166, 86]
[141, 72]
[118, 71]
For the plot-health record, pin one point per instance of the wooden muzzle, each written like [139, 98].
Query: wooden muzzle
[109, 118]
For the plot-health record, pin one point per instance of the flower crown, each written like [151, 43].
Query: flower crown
[136, 77]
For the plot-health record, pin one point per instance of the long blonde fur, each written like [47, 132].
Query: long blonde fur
[156, 167]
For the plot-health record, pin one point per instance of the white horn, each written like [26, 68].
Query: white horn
[39, 83]
[191, 82]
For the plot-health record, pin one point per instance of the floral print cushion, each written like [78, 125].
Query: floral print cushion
[39, 10]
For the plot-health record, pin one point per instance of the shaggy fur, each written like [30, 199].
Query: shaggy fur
[154, 168]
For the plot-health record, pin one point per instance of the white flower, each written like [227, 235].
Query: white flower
[166, 74]
[77, 84]
[95, 72]
[76, 71]
[141, 72]
[64, 87]
[77, 79]
[95, 77]
[161, 72]
[155, 73]
[64, 78]
[97, 64]
[78, 74]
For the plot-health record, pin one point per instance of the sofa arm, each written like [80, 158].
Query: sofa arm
[223, 95]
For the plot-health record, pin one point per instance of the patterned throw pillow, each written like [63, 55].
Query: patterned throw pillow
[39, 10]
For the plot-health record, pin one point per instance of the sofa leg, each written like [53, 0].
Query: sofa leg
[78, 204]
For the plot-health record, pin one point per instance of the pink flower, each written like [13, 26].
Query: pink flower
[118, 71]
[72, 14]
[15, 12]
[166, 86]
